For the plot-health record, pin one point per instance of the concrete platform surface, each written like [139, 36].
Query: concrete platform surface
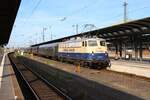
[9, 88]
[137, 68]
[1, 57]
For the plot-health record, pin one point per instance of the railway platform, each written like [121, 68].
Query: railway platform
[9, 87]
[131, 67]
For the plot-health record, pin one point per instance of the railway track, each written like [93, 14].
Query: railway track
[128, 85]
[41, 89]
[98, 69]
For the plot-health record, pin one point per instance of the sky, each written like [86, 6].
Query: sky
[58, 17]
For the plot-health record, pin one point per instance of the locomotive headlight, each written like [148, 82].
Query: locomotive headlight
[92, 53]
[106, 53]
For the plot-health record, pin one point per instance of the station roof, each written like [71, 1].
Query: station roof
[136, 27]
[8, 12]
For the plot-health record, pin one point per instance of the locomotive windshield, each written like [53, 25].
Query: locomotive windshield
[102, 43]
[92, 43]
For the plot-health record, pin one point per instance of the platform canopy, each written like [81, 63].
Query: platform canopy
[122, 31]
[8, 12]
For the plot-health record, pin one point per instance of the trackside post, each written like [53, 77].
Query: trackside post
[77, 67]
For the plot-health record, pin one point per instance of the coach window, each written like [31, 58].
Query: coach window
[83, 43]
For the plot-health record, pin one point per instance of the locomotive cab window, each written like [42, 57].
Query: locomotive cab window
[102, 43]
[92, 43]
[83, 43]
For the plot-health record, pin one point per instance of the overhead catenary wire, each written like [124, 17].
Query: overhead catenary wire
[32, 12]
[138, 9]
[82, 9]
[35, 8]
[131, 11]
[117, 16]
[79, 10]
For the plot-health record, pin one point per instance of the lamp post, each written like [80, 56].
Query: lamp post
[76, 28]
[43, 35]
[51, 35]
[125, 11]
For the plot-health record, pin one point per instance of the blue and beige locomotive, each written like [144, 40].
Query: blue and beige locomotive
[91, 51]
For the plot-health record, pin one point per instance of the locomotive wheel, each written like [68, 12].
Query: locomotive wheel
[107, 64]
